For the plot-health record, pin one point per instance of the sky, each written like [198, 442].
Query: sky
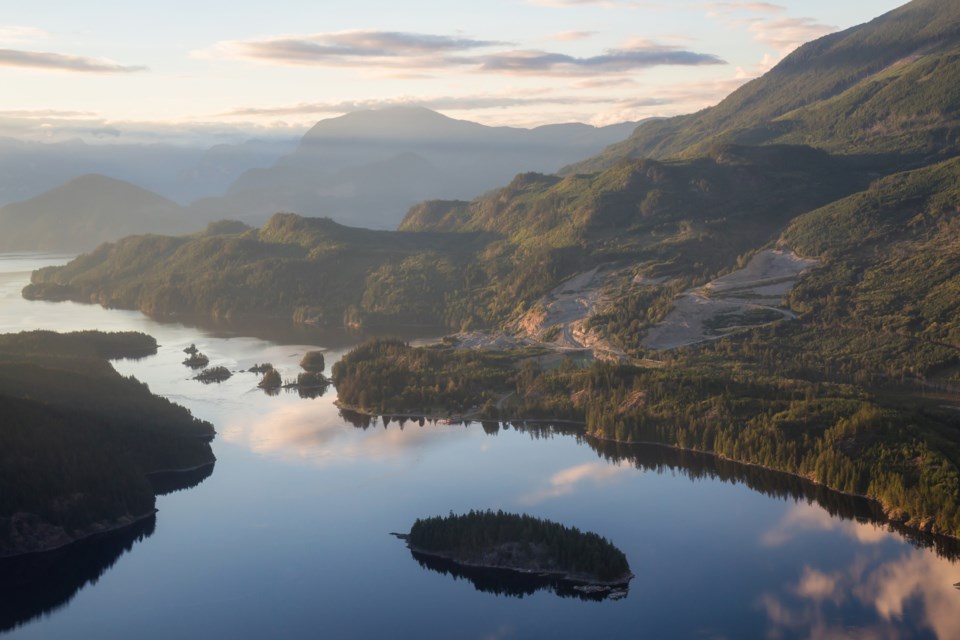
[199, 72]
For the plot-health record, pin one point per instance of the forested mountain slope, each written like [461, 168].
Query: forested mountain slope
[890, 87]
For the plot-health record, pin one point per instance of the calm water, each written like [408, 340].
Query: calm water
[289, 535]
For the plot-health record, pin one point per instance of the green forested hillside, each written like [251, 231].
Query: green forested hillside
[78, 440]
[888, 87]
[891, 256]
[306, 269]
[859, 393]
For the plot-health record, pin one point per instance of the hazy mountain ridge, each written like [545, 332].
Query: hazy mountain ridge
[345, 167]
[179, 173]
[85, 212]
[365, 168]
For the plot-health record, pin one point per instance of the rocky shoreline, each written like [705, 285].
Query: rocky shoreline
[29, 534]
[585, 582]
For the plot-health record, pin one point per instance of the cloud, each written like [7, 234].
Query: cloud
[786, 34]
[678, 98]
[445, 103]
[575, 3]
[59, 126]
[570, 36]
[614, 4]
[736, 7]
[380, 51]
[566, 481]
[345, 48]
[715, 7]
[13, 33]
[61, 62]
[45, 113]
[613, 61]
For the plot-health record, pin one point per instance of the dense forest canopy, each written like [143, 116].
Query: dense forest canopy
[79, 440]
[522, 542]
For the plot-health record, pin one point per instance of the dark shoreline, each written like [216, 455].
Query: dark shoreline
[120, 524]
[572, 578]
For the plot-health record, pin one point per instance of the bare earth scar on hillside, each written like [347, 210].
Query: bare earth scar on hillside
[748, 297]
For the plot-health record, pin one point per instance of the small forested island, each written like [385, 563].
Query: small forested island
[213, 374]
[197, 360]
[313, 362]
[80, 443]
[271, 380]
[498, 540]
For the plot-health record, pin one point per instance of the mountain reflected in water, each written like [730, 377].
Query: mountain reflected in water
[165, 483]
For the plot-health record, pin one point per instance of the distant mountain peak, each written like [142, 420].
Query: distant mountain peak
[401, 122]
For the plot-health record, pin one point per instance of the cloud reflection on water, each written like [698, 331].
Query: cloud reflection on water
[912, 594]
[566, 481]
[807, 517]
[306, 431]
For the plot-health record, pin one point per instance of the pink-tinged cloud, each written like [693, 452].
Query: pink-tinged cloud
[786, 34]
[572, 36]
[393, 52]
[614, 61]
[14, 33]
[438, 103]
[751, 7]
[61, 62]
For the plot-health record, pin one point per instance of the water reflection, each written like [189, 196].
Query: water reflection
[567, 480]
[869, 524]
[513, 584]
[165, 483]
[39, 584]
[285, 331]
[293, 431]
[910, 596]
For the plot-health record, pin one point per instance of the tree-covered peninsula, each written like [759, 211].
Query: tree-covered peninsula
[79, 442]
[499, 540]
